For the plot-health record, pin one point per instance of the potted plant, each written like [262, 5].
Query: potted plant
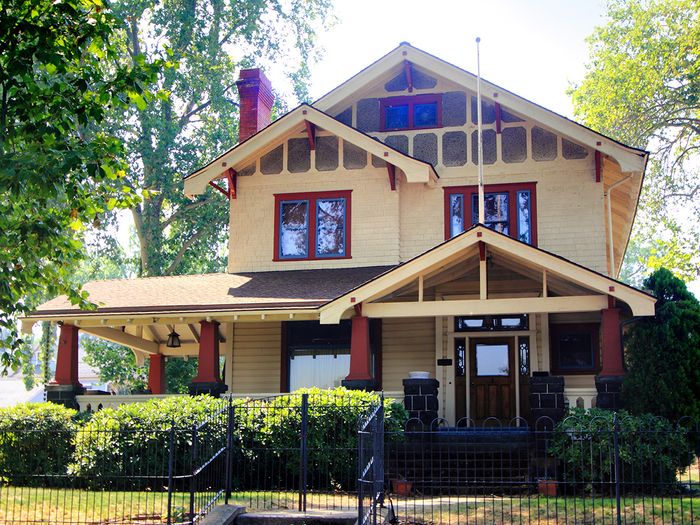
[547, 487]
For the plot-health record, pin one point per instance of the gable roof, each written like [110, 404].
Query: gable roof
[630, 159]
[641, 303]
[414, 169]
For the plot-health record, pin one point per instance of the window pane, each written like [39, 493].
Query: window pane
[492, 360]
[576, 351]
[524, 231]
[425, 115]
[495, 211]
[294, 228]
[456, 214]
[330, 227]
[396, 117]
[318, 370]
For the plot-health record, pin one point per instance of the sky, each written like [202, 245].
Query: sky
[534, 48]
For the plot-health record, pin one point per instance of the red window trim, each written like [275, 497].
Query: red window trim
[312, 197]
[510, 188]
[410, 101]
[574, 328]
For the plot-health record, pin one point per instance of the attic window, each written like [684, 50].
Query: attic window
[312, 226]
[416, 112]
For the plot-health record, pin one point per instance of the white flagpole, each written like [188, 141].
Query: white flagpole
[480, 143]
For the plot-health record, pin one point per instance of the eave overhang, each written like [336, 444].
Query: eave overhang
[416, 171]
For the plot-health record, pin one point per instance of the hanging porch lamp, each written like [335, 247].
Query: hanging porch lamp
[173, 340]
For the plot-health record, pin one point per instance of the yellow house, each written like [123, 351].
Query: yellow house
[356, 256]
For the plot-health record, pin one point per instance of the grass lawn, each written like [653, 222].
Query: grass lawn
[22, 505]
[527, 509]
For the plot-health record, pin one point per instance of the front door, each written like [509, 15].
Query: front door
[492, 378]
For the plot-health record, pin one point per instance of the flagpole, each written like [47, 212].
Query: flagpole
[480, 144]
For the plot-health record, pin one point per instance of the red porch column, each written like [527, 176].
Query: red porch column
[156, 374]
[208, 366]
[611, 344]
[67, 357]
[360, 357]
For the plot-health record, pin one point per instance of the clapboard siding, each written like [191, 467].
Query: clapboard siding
[256, 357]
[407, 344]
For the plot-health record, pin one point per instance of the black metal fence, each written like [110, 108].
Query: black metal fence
[316, 451]
[586, 471]
[296, 451]
[370, 466]
[114, 473]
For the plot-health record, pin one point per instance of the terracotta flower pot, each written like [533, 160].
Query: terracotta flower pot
[402, 487]
[547, 487]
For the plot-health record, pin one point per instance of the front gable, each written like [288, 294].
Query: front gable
[384, 78]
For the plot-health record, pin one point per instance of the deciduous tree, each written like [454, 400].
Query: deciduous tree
[642, 87]
[208, 43]
[60, 74]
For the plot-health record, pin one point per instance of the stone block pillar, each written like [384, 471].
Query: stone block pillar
[156, 374]
[421, 399]
[360, 376]
[208, 380]
[609, 382]
[65, 386]
[546, 401]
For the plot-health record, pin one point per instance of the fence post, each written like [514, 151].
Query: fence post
[192, 470]
[229, 450]
[616, 445]
[171, 456]
[360, 468]
[303, 451]
[378, 460]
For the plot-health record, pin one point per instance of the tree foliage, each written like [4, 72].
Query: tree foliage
[197, 118]
[663, 353]
[642, 87]
[60, 75]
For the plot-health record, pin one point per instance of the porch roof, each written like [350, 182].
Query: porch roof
[298, 289]
[579, 288]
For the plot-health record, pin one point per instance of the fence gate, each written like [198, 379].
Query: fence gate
[370, 456]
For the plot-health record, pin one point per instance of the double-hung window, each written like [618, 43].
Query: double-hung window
[312, 225]
[415, 112]
[508, 208]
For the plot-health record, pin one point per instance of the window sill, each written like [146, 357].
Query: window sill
[297, 259]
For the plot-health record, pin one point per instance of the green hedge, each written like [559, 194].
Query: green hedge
[127, 447]
[652, 450]
[36, 438]
[269, 438]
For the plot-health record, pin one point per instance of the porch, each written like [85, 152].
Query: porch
[490, 319]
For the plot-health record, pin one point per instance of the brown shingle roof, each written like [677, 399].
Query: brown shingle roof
[218, 291]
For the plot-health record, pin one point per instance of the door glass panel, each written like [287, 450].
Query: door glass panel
[492, 360]
[460, 358]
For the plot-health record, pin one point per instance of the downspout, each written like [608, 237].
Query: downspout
[607, 195]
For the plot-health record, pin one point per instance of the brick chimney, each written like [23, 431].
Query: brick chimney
[256, 98]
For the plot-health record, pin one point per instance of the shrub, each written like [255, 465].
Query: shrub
[35, 438]
[270, 437]
[663, 353]
[652, 450]
[128, 447]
